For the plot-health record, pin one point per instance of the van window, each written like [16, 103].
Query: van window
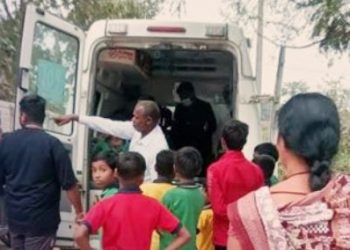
[53, 73]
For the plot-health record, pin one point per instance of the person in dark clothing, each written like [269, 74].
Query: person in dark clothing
[267, 164]
[34, 167]
[265, 156]
[266, 148]
[4, 235]
[194, 123]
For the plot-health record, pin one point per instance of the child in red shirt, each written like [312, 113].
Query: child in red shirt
[230, 177]
[129, 218]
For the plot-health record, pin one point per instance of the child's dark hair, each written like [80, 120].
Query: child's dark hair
[235, 134]
[165, 164]
[310, 127]
[131, 165]
[188, 162]
[267, 148]
[109, 156]
[267, 164]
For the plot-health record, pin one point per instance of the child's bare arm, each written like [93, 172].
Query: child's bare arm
[81, 237]
[183, 236]
[74, 197]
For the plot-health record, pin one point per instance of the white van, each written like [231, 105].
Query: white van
[88, 72]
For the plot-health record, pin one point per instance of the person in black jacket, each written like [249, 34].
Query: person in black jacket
[194, 123]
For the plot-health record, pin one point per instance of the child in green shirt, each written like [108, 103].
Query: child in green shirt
[186, 200]
[103, 172]
[103, 167]
[104, 143]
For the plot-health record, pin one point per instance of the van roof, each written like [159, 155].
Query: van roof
[129, 32]
[160, 28]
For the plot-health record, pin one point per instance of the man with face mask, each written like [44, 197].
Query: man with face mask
[194, 123]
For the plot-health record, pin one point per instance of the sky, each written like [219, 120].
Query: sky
[307, 65]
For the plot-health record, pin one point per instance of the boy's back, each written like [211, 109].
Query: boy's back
[128, 216]
[186, 203]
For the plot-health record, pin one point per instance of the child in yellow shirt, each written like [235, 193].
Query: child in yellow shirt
[156, 189]
[204, 240]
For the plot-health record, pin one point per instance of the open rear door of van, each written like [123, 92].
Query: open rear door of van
[50, 66]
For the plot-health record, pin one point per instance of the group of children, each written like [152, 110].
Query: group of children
[168, 210]
[169, 213]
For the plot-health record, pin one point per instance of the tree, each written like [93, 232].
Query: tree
[328, 21]
[281, 19]
[9, 30]
[341, 97]
[292, 88]
[85, 12]
[178, 7]
[331, 22]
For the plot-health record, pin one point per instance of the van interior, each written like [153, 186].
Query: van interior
[125, 75]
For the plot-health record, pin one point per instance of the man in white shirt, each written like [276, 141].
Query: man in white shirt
[143, 130]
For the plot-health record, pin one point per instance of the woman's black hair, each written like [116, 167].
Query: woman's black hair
[309, 124]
